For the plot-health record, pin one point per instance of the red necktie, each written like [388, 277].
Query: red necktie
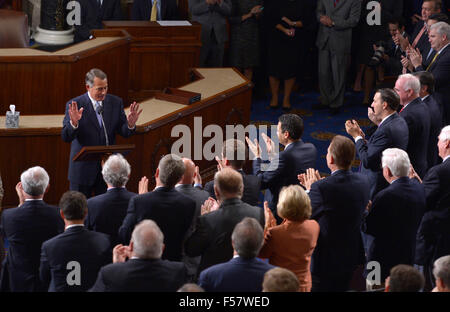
[336, 2]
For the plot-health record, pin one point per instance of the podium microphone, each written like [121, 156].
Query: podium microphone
[100, 112]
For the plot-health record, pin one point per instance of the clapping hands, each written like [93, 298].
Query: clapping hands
[308, 178]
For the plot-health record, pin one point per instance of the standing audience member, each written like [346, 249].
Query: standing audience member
[441, 272]
[243, 273]
[392, 131]
[280, 280]
[26, 227]
[417, 116]
[211, 14]
[75, 249]
[244, 35]
[291, 244]
[2, 247]
[139, 267]
[190, 287]
[337, 20]
[171, 210]
[107, 211]
[395, 214]
[404, 278]
[212, 236]
[154, 10]
[338, 203]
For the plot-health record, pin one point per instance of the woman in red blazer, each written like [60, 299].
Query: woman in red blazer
[291, 244]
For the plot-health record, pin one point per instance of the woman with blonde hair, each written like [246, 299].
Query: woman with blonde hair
[291, 244]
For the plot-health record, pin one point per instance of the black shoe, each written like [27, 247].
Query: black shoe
[286, 108]
[334, 111]
[274, 107]
[318, 106]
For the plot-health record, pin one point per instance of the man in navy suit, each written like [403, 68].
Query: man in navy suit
[338, 203]
[107, 211]
[245, 272]
[284, 168]
[142, 9]
[94, 118]
[395, 214]
[171, 210]
[70, 261]
[417, 116]
[93, 13]
[392, 131]
[26, 228]
[139, 267]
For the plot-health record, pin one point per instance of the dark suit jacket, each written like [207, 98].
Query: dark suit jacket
[26, 228]
[338, 203]
[418, 118]
[252, 188]
[393, 132]
[171, 210]
[236, 275]
[89, 133]
[142, 9]
[92, 16]
[212, 236]
[435, 128]
[139, 275]
[423, 44]
[393, 221]
[107, 211]
[295, 159]
[90, 249]
[437, 183]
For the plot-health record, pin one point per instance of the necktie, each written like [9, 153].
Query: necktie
[418, 36]
[336, 2]
[97, 113]
[99, 3]
[154, 13]
[434, 59]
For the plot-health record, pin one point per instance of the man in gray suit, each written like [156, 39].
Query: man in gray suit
[336, 18]
[211, 14]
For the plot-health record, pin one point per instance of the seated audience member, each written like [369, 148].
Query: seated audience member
[404, 278]
[291, 244]
[185, 187]
[426, 94]
[107, 211]
[190, 287]
[441, 272]
[395, 214]
[338, 203]
[171, 210]
[139, 267]
[26, 227]
[88, 249]
[233, 156]
[212, 236]
[417, 116]
[243, 273]
[392, 131]
[283, 168]
[280, 280]
[154, 10]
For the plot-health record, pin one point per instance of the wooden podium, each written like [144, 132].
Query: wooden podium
[96, 153]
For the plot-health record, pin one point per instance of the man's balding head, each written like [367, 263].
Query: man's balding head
[189, 172]
[228, 183]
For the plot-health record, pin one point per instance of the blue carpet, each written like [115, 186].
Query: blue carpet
[320, 127]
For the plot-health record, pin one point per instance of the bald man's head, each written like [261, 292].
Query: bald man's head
[189, 173]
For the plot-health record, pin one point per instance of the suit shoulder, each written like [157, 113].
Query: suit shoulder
[114, 98]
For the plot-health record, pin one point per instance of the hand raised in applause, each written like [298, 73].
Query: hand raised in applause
[308, 178]
[221, 163]
[133, 115]
[270, 220]
[209, 205]
[254, 147]
[413, 174]
[353, 129]
[143, 185]
[197, 176]
[121, 253]
[19, 191]
[415, 57]
[75, 114]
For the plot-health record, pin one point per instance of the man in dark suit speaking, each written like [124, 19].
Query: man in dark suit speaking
[94, 118]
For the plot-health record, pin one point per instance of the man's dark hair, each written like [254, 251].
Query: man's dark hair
[74, 205]
[399, 21]
[171, 169]
[248, 238]
[236, 153]
[390, 97]
[439, 17]
[343, 151]
[426, 79]
[405, 278]
[293, 124]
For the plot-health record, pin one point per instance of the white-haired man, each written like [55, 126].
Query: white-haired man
[441, 272]
[26, 228]
[417, 116]
[395, 213]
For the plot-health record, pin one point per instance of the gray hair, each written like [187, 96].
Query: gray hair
[441, 269]
[397, 161]
[411, 83]
[94, 72]
[442, 28]
[171, 169]
[116, 170]
[248, 238]
[34, 181]
[445, 133]
[148, 240]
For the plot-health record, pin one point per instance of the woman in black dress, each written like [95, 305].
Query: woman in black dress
[287, 19]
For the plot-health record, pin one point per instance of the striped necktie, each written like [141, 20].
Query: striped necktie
[419, 35]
